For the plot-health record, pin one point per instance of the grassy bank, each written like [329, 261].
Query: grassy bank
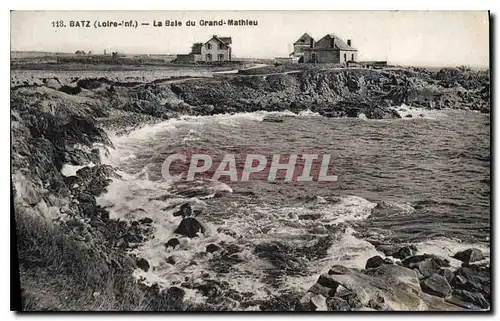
[60, 273]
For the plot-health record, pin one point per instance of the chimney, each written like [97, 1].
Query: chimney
[215, 36]
[349, 42]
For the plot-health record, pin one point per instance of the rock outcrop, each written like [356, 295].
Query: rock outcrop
[190, 227]
[469, 255]
[384, 286]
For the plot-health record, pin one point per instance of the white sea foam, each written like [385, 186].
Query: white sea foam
[70, 170]
[406, 111]
[362, 116]
[309, 113]
[447, 247]
[132, 198]
[351, 251]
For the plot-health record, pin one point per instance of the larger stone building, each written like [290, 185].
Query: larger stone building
[329, 49]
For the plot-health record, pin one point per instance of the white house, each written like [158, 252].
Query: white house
[215, 49]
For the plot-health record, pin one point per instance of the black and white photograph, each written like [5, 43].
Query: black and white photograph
[258, 161]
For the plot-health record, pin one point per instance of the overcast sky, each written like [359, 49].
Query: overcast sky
[421, 38]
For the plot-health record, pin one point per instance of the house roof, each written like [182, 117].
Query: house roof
[227, 40]
[304, 39]
[339, 43]
[224, 40]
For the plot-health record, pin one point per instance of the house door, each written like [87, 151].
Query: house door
[208, 57]
[314, 58]
[345, 57]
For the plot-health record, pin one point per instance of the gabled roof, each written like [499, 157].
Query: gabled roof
[304, 39]
[227, 40]
[339, 43]
[224, 40]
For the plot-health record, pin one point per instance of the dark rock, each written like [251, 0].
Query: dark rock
[469, 255]
[428, 267]
[91, 83]
[387, 249]
[448, 274]
[273, 119]
[209, 289]
[475, 298]
[190, 227]
[398, 286]
[171, 260]
[409, 116]
[337, 304]
[70, 90]
[285, 302]
[377, 302]
[176, 293]
[153, 288]
[147, 107]
[388, 261]
[185, 210]
[439, 261]
[473, 279]
[353, 300]
[131, 237]
[338, 270]
[436, 285]
[87, 204]
[377, 112]
[483, 265]
[374, 262]
[143, 264]
[170, 300]
[146, 220]
[459, 302]
[173, 242]
[95, 179]
[323, 290]
[404, 252]
[212, 248]
[232, 248]
[309, 217]
[352, 84]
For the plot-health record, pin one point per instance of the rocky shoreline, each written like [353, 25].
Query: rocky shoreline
[407, 282]
[59, 122]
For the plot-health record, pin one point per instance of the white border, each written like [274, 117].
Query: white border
[200, 5]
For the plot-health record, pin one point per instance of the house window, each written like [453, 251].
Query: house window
[345, 57]
[221, 46]
[209, 46]
[220, 57]
[208, 57]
